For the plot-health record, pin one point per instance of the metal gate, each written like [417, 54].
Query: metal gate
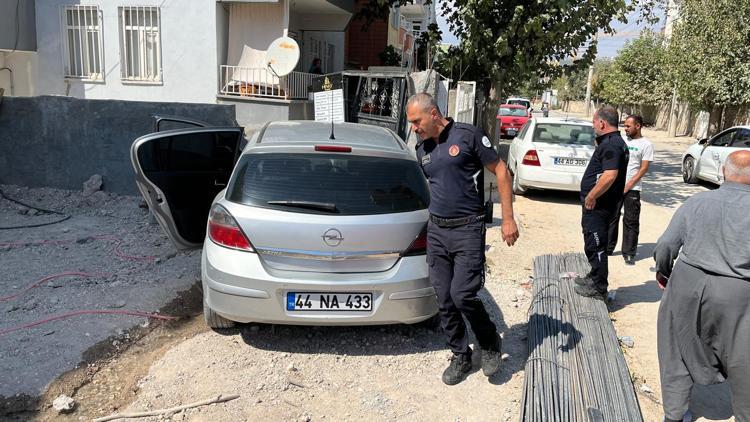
[465, 102]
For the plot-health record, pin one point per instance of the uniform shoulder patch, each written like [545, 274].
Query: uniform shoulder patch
[486, 142]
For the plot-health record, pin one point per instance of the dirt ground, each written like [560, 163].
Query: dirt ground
[379, 373]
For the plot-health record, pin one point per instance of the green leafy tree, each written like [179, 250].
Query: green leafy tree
[427, 46]
[709, 53]
[390, 56]
[601, 69]
[512, 42]
[638, 74]
[452, 64]
[571, 86]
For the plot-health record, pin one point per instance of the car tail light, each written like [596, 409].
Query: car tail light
[418, 245]
[531, 158]
[224, 230]
[333, 148]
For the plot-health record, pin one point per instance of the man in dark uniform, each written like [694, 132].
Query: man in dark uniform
[602, 188]
[703, 328]
[453, 157]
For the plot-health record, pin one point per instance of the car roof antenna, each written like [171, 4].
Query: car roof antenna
[330, 113]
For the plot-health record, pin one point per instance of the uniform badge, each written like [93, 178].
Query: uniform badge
[426, 160]
[453, 150]
[486, 142]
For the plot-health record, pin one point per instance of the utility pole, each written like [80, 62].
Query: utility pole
[588, 84]
[673, 114]
[672, 14]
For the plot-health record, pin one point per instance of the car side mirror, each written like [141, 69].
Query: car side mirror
[703, 141]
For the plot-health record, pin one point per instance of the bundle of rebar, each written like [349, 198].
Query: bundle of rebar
[576, 370]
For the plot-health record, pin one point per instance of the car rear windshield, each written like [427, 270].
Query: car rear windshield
[563, 133]
[339, 184]
[520, 102]
[505, 111]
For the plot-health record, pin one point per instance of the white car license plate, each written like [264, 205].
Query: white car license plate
[512, 132]
[566, 161]
[326, 301]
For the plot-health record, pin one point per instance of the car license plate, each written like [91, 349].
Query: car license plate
[512, 132]
[566, 161]
[326, 301]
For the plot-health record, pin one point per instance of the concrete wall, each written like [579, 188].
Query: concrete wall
[255, 112]
[60, 142]
[188, 49]
[21, 12]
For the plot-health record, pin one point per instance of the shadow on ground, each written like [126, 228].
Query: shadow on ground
[647, 292]
[383, 339]
[664, 186]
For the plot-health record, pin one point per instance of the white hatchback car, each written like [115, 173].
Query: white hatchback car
[703, 160]
[297, 228]
[551, 153]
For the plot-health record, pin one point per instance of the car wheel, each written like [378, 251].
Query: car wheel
[517, 188]
[215, 320]
[688, 170]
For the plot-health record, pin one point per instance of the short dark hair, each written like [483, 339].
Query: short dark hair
[609, 115]
[637, 119]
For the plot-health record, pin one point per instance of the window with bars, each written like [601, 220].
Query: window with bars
[82, 42]
[140, 43]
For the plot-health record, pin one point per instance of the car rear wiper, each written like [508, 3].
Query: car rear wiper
[322, 206]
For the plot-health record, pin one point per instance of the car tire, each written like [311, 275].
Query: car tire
[214, 320]
[517, 188]
[689, 174]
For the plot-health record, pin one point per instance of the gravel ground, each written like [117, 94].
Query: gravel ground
[121, 263]
[303, 373]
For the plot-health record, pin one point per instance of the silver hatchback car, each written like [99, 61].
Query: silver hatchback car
[302, 229]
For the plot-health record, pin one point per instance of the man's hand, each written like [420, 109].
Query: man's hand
[590, 202]
[509, 231]
[628, 187]
[661, 280]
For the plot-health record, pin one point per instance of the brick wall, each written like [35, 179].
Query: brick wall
[363, 47]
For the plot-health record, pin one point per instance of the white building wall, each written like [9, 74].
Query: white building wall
[22, 63]
[188, 50]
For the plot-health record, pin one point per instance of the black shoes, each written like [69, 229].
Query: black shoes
[588, 290]
[492, 358]
[458, 369]
[460, 366]
[629, 260]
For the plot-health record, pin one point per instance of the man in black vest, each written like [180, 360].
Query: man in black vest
[453, 157]
[602, 188]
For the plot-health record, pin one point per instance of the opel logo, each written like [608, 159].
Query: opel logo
[332, 237]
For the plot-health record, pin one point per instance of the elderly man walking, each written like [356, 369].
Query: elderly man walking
[704, 316]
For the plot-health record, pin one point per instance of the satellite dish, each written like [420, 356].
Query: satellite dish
[282, 56]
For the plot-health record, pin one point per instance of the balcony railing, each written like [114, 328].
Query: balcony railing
[261, 82]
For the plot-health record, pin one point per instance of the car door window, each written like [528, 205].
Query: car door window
[523, 130]
[722, 140]
[741, 139]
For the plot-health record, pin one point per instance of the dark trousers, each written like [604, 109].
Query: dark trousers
[595, 224]
[631, 204]
[703, 337]
[455, 256]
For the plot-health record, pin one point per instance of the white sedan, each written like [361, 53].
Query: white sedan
[551, 153]
[704, 159]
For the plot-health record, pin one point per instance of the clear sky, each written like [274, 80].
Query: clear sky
[608, 45]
